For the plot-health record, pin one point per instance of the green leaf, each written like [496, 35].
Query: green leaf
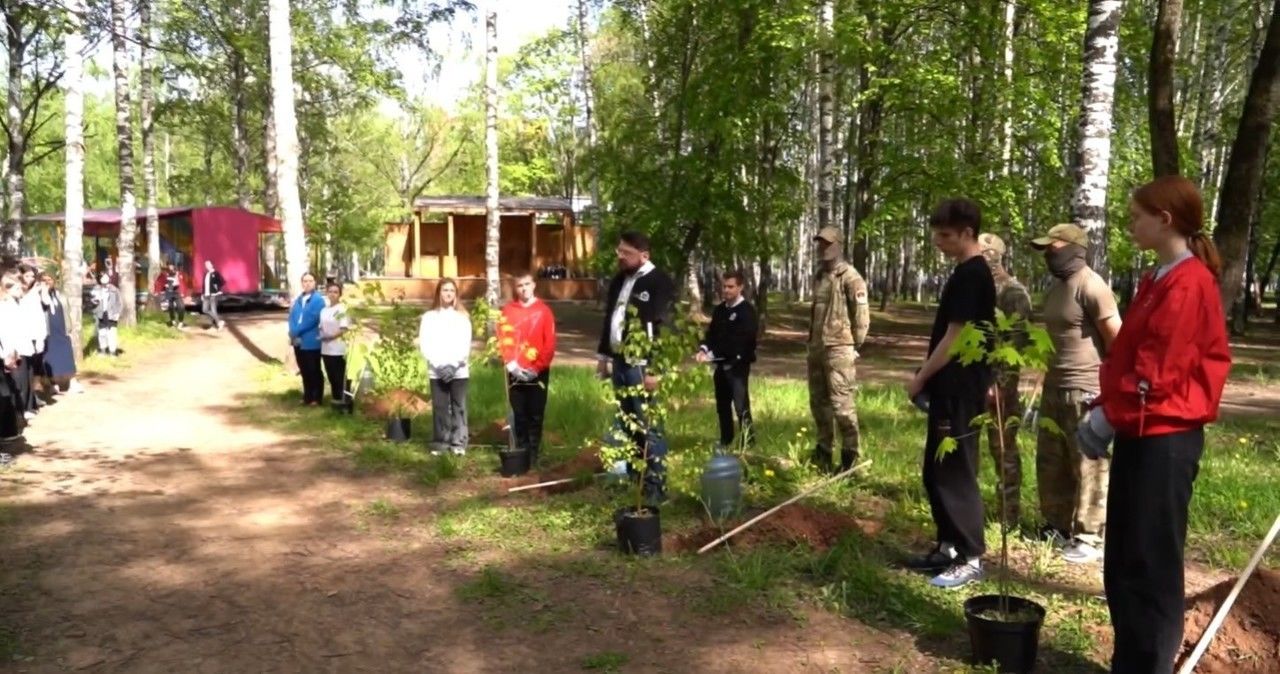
[1051, 426]
[947, 446]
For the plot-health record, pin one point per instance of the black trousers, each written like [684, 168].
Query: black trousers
[733, 394]
[35, 373]
[312, 378]
[952, 481]
[23, 386]
[11, 420]
[335, 368]
[177, 310]
[1147, 499]
[449, 413]
[528, 406]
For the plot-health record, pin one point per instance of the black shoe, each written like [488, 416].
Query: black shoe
[848, 459]
[935, 561]
[821, 459]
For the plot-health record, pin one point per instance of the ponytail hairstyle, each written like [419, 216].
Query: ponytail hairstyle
[1180, 198]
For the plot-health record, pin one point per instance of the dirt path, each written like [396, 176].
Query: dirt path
[150, 531]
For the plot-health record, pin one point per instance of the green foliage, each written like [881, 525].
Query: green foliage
[667, 358]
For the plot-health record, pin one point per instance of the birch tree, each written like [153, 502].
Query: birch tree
[1093, 169]
[286, 125]
[125, 244]
[73, 209]
[146, 92]
[826, 112]
[493, 224]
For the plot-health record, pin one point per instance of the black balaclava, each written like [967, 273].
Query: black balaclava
[1064, 262]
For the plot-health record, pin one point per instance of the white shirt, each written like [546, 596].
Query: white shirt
[1166, 268]
[11, 332]
[333, 320]
[619, 318]
[206, 291]
[444, 338]
[35, 326]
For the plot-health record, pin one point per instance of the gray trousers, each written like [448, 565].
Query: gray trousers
[449, 413]
[209, 307]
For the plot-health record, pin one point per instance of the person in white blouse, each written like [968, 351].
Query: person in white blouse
[12, 334]
[334, 323]
[444, 337]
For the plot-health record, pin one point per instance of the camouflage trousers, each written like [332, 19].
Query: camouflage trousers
[832, 384]
[1008, 471]
[1073, 489]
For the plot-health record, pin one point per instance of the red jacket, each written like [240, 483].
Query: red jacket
[158, 289]
[1166, 369]
[527, 335]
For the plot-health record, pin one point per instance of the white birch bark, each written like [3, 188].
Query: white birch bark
[73, 209]
[147, 94]
[286, 127]
[493, 289]
[125, 244]
[1089, 200]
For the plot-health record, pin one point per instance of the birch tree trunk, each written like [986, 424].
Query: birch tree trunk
[286, 126]
[126, 243]
[271, 182]
[1006, 127]
[1160, 89]
[73, 209]
[146, 88]
[826, 114]
[15, 161]
[239, 129]
[1089, 201]
[588, 103]
[493, 229]
[1239, 195]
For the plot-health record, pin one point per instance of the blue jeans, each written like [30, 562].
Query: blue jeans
[630, 376]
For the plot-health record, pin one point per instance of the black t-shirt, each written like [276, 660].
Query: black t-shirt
[969, 295]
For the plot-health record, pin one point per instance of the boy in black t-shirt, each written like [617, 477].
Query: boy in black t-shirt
[956, 394]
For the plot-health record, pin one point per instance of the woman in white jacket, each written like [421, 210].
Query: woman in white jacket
[444, 337]
[12, 334]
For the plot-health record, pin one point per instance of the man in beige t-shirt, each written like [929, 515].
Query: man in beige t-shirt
[1082, 319]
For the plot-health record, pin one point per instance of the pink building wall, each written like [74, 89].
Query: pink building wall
[228, 237]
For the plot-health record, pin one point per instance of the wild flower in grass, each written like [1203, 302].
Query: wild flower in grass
[1244, 505]
[768, 472]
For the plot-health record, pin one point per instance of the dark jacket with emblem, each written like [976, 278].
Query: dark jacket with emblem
[652, 296]
[731, 337]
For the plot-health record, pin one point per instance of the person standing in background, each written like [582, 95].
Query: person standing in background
[12, 334]
[1013, 300]
[108, 305]
[37, 329]
[527, 341]
[730, 345]
[59, 356]
[304, 335]
[171, 286]
[1082, 319]
[334, 324]
[444, 338]
[211, 293]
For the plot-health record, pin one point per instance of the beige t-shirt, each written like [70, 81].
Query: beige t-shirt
[1072, 310]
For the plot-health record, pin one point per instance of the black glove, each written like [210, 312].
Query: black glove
[446, 373]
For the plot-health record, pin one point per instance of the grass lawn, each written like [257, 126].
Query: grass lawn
[572, 533]
[151, 332]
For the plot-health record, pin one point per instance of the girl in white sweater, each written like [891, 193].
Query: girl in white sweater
[444, 337]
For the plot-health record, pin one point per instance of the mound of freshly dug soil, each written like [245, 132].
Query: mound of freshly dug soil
[1249, 640]
[794, 524]
[585, 463]
[396, 401]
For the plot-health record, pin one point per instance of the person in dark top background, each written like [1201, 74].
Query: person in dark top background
[956, 394]
[730, 344]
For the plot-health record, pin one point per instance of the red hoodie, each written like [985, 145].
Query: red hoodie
[527, 335]
[1166, 369]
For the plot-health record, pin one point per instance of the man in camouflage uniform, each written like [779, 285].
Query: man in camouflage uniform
[1082, 319]
[838, 324]
[1013, 300]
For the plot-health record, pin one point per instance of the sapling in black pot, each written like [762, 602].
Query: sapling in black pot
[399, 368]
[638, 525]
[1003, 628]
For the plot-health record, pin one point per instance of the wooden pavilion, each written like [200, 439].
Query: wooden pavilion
[446, 239]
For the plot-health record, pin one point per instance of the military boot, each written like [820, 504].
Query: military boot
[821, 459]
[848, 457]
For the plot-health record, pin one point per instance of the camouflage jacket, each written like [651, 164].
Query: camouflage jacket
[841, 315]
[1013, 299]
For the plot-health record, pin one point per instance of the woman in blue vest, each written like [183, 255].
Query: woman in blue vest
[304, 335]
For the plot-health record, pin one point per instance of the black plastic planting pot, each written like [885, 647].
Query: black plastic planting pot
[513, 462]
[399, 430]
[1012, 645]
[639, 531]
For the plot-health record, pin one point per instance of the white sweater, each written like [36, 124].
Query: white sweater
[34, 323]
[11, 329]
[444, 337]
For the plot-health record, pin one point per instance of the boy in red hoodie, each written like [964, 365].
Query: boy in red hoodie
[527, 340]
[1162, 381]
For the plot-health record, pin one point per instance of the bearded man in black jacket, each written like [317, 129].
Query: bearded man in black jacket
[650, 291]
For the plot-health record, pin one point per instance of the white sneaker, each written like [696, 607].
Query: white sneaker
[75, 387]
[1079, 552]
[959, 574]
[28, 415]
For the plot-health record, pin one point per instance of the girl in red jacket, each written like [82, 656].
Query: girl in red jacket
[1161, 383]
[527, 339]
